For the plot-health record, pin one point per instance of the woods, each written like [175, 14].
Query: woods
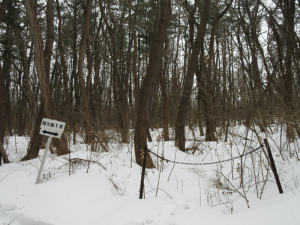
[130, 66]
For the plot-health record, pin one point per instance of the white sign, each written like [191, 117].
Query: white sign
[52, 128]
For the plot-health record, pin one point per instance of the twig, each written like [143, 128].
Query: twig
[173, 165]
[88, 161]
[244, 196]
[114, 184]
[162, 190]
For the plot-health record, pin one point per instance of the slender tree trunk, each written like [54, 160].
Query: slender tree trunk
[151, 79]
[84, 87]
[134, 66]
[67, 104]
[165, 106]
[97, 89]
[74, 87]
[27, 96]
[119, 81]
[3, 90]
[200, 92]
[211, 104]
[7, 54]
[3, 105]
[188, 82]
[289, 7]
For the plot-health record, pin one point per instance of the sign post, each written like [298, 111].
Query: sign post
[50, 128]
[38, 179]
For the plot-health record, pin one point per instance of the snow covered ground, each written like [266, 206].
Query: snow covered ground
[86, 193]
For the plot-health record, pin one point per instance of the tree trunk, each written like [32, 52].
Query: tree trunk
[200, 93]
[67, 104]
[165, 113]
[151, 79]
[134, 66]
[3, 154]
[289, 16]
[188, 82]
[3, 104]
[27, 97]
[83, 87]
[35, 139]
[119, 81]
[211, 104]
[7, 55]
[3, 90]
[42, 61]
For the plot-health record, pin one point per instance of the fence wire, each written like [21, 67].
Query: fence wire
[208, 163]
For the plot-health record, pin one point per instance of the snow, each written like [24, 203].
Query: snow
[174, 194]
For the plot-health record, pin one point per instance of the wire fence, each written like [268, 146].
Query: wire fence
[208, 163]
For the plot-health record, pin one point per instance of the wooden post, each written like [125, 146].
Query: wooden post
[273, 167]
[143, 172]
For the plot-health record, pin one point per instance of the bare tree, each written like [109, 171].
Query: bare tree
[153, 74]
[2, 117]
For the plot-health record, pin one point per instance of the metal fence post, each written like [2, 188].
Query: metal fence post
[273, 167]
[143, 172]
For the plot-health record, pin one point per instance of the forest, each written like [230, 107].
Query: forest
[131, 66]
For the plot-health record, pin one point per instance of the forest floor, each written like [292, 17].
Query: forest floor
[103, 187]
